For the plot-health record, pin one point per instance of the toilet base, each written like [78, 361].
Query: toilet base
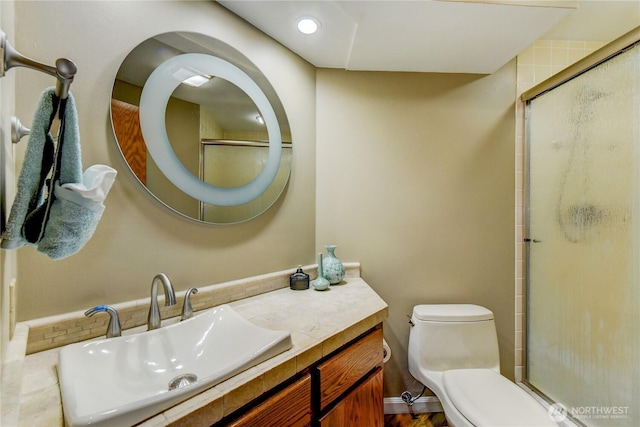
[434, 382]
[473, 397]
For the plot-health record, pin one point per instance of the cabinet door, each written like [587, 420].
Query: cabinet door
[290, 407]
[349, 366]
[364, 406]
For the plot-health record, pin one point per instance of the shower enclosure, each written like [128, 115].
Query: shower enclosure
[583, 238]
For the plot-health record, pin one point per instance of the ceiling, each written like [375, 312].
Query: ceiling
[448, 36]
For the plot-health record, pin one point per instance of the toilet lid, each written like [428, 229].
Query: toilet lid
[486, 398]
[452, 312]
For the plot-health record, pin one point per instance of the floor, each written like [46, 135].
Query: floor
[435, 419]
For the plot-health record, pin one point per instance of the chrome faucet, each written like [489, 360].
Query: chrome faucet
[187, 311]
[113, 329]
[154, 319]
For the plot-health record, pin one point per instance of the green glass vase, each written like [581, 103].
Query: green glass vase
[321, 283]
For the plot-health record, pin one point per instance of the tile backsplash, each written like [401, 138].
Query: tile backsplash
[57, 331]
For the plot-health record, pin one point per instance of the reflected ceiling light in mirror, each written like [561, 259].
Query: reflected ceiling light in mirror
[191, 77]
[156, 94]
[259, 119]
[308, 25]
[196, 81]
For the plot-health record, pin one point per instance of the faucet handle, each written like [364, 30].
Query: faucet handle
[187, 311]
[113, 329]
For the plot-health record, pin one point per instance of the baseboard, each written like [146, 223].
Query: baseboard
[426, 404]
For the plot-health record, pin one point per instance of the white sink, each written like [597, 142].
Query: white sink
[122, 381]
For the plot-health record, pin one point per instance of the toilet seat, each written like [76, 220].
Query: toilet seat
[486, 398]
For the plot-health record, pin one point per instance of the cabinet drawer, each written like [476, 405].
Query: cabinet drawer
[290, 407]
[347, 367]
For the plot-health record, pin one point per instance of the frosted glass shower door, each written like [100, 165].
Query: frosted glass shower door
[583, 298]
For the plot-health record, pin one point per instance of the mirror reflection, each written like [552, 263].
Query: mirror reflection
[214, 128]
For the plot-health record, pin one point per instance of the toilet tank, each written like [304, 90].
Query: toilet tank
[452, 336]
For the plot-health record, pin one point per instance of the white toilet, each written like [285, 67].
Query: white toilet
[453, 350]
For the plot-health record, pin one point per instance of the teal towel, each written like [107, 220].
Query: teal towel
[38, 159]
[76, 211]
[72, 212]
[72, 222]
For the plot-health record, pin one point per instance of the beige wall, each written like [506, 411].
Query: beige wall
[415, 180]
[138, 238]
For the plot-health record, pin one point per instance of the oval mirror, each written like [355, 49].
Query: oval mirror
[201, 128]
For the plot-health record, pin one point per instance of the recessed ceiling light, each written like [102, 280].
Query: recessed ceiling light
[308, 25]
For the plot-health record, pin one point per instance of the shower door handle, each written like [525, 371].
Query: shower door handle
[527, 240]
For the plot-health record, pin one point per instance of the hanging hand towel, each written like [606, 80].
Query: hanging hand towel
[75, 212]
[38, 159]
[62, 224]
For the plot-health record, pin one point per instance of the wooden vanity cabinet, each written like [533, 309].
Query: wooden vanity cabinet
[343, 389]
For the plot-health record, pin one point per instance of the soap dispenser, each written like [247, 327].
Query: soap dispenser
[299, 280]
